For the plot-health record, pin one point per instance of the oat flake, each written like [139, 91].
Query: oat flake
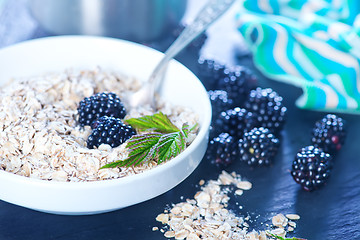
[39, 134]
[206, 216]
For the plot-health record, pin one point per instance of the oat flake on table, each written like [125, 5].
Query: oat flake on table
[207, 217]
[39, 135]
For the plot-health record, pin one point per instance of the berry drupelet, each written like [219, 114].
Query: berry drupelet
[311, 168]
[222, 149]
[329, 133]
[268, 109]
[237, 82]
[219, 101]
[109, 130]
[234, 121]
[98, 105]
[210, 72]
[258, 147]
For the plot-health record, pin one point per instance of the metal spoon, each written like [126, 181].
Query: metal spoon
[206, 16]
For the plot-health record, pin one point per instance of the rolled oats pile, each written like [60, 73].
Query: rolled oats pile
[207, 217]
[39, 134]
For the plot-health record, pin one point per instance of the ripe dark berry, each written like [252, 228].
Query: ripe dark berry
[235, 122]
[210, 72]
[329, 133]
[311, 168]
[219, 101]
[98, 105]
[109, 130]
[258, 147]
[268, 109]
[222, 149]
[237, 82]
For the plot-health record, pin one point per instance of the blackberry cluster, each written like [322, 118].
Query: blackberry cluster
[258, 147]
[239, 107]
[329, 133]
[109, 130]
[268, 109]
[313, 164]
[98, 105]
[237, 82]
[222, 149]
[311, 168]
[103, 113]
[234, 121]
[256, 126]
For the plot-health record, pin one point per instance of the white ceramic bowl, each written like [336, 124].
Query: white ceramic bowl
[59, 53]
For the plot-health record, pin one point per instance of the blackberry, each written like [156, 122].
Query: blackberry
[98, 105]
[268, 109]
[210, 72]
[311, 168]
[222, 149]
[258, 147]
[237, 82]
[329, 133]
[234, 121]
[219, 101]
[109, 130]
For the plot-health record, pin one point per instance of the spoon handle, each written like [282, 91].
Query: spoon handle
[206, 16]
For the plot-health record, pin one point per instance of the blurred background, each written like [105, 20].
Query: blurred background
[28, 19]
[22, 20]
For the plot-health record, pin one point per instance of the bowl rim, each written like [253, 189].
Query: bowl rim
[203, 129]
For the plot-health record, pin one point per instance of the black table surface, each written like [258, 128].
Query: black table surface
[332, 212]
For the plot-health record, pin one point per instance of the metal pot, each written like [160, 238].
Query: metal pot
[136, 20]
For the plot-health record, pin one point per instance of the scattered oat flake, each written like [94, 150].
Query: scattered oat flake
[293, 216]
[292, 224]
[201, 182]
[155, 228]
[279, 220]
[244, 185]
[192, 236]
[175, 210]
[169, 234]
[279, 232]
[163, 218]
[206, 216]
[239, 192]
[181, 234]
[225, 178]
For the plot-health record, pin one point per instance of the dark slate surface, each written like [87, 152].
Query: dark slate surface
[330, 213]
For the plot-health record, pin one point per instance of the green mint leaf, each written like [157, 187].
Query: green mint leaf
[169, 146]
[157, 122]
[141, 148]
[151, 146]
[186, 129]
[164, 143]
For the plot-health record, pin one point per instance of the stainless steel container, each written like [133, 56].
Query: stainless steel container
[136, 20]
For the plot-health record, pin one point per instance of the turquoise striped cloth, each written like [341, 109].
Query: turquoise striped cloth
[313, 44]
